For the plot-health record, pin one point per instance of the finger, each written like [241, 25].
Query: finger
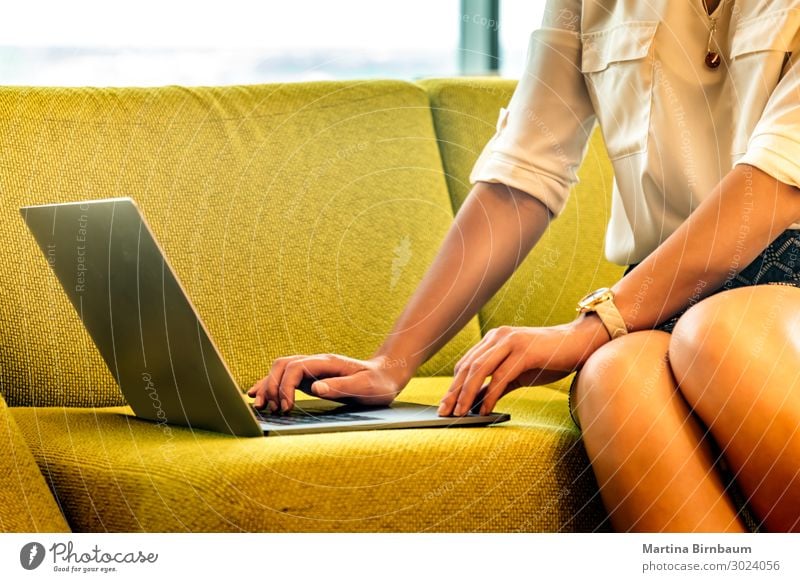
[260, 389]
[467, 357]
[448, 401]
[498, 385]
[293, 374]
[255, 392]
[479, 371]
[255, 388]
[318, 366]
[354, 386]
[267, 389]
[488, 340]
[492, 339]
[259, 392]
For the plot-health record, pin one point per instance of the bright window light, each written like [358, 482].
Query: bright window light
[518, 18]
[200, 42]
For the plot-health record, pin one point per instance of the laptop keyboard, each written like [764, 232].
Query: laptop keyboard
[299, 417]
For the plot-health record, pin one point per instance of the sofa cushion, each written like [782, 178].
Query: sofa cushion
[568, 261]
[114, 472]
[299, 217]
[26, 504]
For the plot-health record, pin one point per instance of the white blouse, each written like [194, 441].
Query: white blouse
[673, 127]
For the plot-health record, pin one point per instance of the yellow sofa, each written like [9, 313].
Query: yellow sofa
[300, 218]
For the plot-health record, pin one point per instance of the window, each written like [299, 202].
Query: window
[221, 42]
[205, 42]
[518, 18]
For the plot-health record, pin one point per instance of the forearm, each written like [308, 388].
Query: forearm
[726, 232]
[492, 233]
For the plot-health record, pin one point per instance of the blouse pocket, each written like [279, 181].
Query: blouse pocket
[760, 46]
[617, 64]
[770, 32]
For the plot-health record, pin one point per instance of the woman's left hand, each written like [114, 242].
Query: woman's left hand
[520, 356]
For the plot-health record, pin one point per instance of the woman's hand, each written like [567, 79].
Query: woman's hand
[376, 381]
[520, 356]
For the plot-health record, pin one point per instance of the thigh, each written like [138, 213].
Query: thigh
[736, 357]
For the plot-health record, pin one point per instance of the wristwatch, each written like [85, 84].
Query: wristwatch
[601, 302]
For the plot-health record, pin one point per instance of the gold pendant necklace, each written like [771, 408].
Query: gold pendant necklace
[713, 58]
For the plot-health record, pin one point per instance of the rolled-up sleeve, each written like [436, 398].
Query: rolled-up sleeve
[541, 137]
[774, 145]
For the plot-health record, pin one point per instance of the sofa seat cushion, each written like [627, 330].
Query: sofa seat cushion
[26, 504]
[114, 472]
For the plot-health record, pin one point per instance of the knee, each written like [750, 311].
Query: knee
[730, 329]
[716, 341]
[619, 376]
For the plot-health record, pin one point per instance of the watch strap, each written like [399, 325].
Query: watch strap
[611, 318]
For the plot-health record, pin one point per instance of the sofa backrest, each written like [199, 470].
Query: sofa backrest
[299, 217]
[568, 261]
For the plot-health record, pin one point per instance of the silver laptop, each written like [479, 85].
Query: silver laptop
[154, 342]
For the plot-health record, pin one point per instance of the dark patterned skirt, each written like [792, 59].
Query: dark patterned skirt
[778, 264]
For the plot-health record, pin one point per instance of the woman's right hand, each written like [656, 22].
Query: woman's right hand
[376, 381]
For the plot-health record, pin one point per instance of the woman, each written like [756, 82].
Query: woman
[692, 353]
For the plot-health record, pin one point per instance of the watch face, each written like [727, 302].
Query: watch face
[595, 297]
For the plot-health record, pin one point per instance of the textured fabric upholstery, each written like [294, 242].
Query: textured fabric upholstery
[568, 262]
[26, 504]
[299, 217]
[114, 472]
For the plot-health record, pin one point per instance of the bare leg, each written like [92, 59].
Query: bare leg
[648, 452]
[737, 357]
